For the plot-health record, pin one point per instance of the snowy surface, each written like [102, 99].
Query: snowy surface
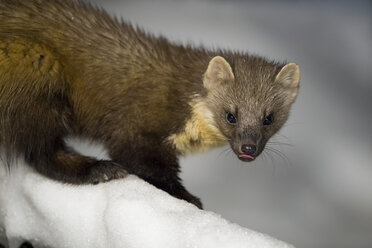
[122, 213]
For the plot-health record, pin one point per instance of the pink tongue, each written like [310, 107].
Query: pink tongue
[246, 156]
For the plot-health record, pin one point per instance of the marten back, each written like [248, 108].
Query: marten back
[103, 59]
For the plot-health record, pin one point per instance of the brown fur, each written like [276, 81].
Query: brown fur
[67, 68]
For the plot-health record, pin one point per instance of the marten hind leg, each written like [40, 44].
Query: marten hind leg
[64, 164]
[45, 149]
[33, 125]
[41, 142]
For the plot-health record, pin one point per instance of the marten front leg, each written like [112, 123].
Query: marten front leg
[175, 188]
[156, 164]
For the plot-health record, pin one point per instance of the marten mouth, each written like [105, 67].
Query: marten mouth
[246, 157]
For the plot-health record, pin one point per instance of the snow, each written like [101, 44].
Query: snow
[121, 213]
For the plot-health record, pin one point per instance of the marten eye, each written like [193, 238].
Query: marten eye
[230, 118]
[268, 120]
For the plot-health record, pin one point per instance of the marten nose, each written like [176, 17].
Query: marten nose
[248, 149]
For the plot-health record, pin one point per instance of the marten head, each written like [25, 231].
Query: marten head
[249, 100]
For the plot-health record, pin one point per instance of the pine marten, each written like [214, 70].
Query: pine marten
[69, 68]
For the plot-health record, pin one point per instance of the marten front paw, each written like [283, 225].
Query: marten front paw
[104, 171]
[195, 200]
[185, 195]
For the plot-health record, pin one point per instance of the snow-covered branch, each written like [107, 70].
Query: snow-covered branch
[122, 213]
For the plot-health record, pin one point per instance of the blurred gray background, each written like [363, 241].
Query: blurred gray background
[319, 193]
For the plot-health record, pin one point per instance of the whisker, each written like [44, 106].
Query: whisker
[270, 156]
[293, 123]
[279, 143]
[277, 152]
[274, 171]
[279, 135]
[281, 155]
[229, 152]
[223, 152]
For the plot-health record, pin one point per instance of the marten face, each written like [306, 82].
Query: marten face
[250, 102]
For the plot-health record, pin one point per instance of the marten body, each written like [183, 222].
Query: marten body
[67, 68]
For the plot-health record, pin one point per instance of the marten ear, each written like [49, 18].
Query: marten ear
[218, 72]
[289, 77]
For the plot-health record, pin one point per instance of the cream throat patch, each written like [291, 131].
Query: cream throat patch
[200, 133]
